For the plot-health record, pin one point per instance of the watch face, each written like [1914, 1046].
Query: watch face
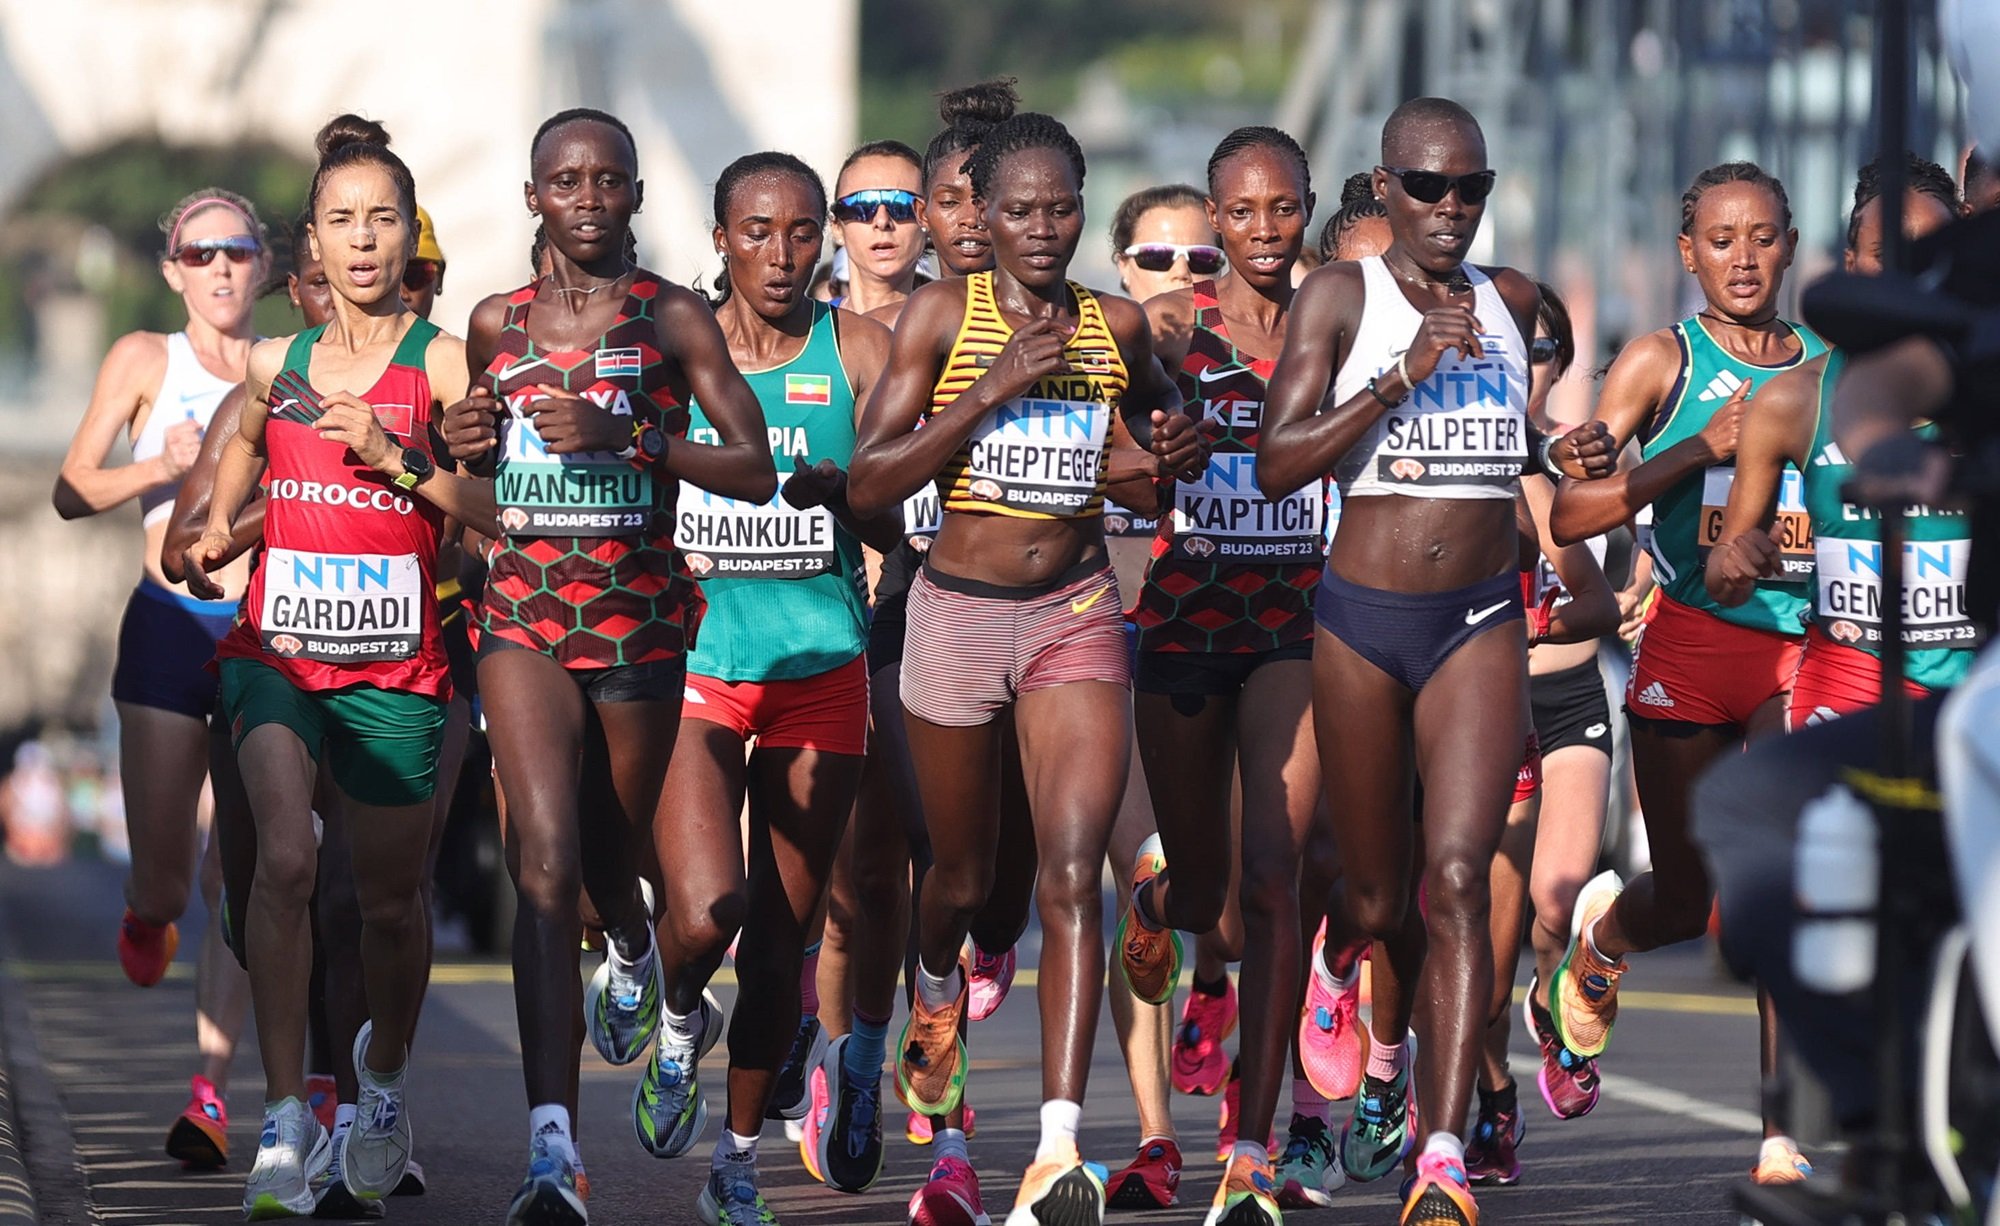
[417, 462]
[651, 443]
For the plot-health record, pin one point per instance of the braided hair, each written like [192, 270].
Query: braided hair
[969, 113]
[734, 175]
[1732, 172]
[1258, 136]
[1923, 177]
[1026, 131]
[1357, 201]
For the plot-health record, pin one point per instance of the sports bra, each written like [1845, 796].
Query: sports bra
[188, 392]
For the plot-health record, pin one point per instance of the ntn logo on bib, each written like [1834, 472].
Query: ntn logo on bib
[1935, 608]
[342, 607]
[1039, 455]
[1226, 516]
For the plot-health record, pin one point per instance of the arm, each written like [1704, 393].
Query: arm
[1151, 407]
[1633, 596]
[1633, 391]
[740, 465]
[1878, 397]
[236, 472]
[1777, 429]
[1592, 611]
[131, 373]
[471, 425]
[864, 350]
[190, 516]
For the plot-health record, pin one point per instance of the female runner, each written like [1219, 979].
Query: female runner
[1017, 372]
[876, 201]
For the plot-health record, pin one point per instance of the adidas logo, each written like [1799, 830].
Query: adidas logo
[1722, 387]
[1829, 455]
[1655, 695]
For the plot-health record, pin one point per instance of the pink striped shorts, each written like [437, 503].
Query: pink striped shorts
[972, 648]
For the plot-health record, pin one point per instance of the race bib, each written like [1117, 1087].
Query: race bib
[592, 493]
[1039, 455]
[1461, 426]
[342, 608]
[725, 538]
[1225, 517]
[1934, 605]
[923, 515]
[1792, 529]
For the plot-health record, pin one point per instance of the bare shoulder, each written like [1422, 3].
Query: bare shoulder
[267, 358]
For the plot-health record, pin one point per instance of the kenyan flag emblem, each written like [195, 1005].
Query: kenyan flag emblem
[808, 389]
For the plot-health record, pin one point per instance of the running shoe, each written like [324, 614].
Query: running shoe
[931, 1070]
[1568, 1081]
[1384, 1124]
[1496, 1135]
[1060, 1191]
[1198, 1063]
[1584, 994]
[621, 1006]
[815, 1121]
[917, 1129]
[1779, 1161]
[323, 1098]
[990, 975]
[375, 1151]
[199, 1139]
[730, 1197]
[1333, 1044]
[668, 1111]
[1440, 1195]
[1152, 1180]
[1226, 1120]
[792, 1096]
[333, 1201]
[850, 1146]
[949, 1196]
[1309, 1170]
[1151, 956]
[413, 1182]
[1247, 1196]
[292, 1151]
[146, 950]
[554, 1193]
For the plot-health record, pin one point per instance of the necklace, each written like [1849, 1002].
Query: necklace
[591, 289]
[1457, 283]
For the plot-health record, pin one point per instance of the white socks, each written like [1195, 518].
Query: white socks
[937, 992]
[548, 1116]
[1252, 1150]
[1445, 1145]
[734, 1148]
[1060, 1121]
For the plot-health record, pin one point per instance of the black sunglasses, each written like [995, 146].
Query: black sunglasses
[1542, 349]
[1202, 259]
[1429, 187]
[861, 205]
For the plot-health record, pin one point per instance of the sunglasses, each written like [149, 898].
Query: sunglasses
[1202, 259]
[1429, 187]
[1542, 350]
[861, 205]
[240, 248]
[420, 275]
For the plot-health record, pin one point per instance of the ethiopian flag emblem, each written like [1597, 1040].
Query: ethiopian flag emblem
[808, 389]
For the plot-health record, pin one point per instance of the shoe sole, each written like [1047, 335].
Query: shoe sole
[548, 1207]
[1248, 1212]
[956, 1213]
[1436, 1208]
[268, 1208]
[337, 1204]
[1172, 978]
[600, 1038]
[1133, 1192]
[1576, 923]
[413, 1182]
[193, 1147]
[954, 1086]
[1073, 1200]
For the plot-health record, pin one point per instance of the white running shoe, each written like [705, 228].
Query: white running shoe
[292, 1151]
[376, 1150]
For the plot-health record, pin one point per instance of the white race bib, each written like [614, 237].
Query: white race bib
[1039, 455]
[342, 608]
[724, 538]
[1934, 604]
[1225, 517]
[923, 515]
[1792, 530]
[590, 493]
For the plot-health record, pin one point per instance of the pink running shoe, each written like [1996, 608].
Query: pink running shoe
[949, 1197]
[323, 1098]
[819, 1103]
[1333, 1045]
[1199, 1063]
[990, 975]
[1228, 1122]
[917, 1129]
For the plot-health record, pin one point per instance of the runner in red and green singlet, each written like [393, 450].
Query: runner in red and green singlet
[581, 412]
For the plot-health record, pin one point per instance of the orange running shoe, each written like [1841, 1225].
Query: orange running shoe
[146, 950]
[199, 1139]
[1248, 1196]
[1585, 990]
[1151, 956]
[1780, 1161]
[931, 1069]
[1060, 1191]
[1440, 1195]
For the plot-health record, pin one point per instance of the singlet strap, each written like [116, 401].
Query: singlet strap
[298, 355]
[410, 350]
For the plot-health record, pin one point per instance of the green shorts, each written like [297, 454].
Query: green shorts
[381, 746]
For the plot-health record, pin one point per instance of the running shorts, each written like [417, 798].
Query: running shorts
[382, 746]
[653, 681]
[1409, 636]
[1835, 680]
[1208, 674]
[887, 624]
[973, 648]
[1570, 709]
[165, 644]
[1694, 668]
[827, 712]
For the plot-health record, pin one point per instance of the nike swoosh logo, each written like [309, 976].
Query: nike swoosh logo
[1210, 374]
[1473, 619]
[1082, 603]
[189, 397]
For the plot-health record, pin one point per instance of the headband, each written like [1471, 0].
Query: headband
[197, 207]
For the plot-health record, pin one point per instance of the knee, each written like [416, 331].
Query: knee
[876, 883]
[391, 907]
[704, 923]
[1458, 889]
[549, 879]
[1377, 909]
[961, 889]
[1195, 900]
[285, 873]
[1270, 890]
[1068, 884]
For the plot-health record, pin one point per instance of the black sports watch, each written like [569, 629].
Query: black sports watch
[648, 444]
[417, 469]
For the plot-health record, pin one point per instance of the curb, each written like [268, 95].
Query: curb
[17, 1197]
[41, 1181]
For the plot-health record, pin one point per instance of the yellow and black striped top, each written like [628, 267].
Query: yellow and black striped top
[1041, 455]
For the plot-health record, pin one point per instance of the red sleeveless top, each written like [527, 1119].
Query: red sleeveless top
[342, 596]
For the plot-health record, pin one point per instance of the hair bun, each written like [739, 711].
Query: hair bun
[1359, 186]
[988, 102]
[350, 129]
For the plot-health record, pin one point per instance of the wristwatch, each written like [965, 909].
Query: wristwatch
[417, 469]
[648, 444]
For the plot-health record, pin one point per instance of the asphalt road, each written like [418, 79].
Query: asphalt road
[99, 1068]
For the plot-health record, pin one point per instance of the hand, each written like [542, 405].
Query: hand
[1753, 555]
[1900, 471]
[1178, 446]
[179, 448]
[1632, 610]
[471, 427]
[349, 420]
[1443, 329]
[1033, 353]
[1585, 452]
[570, 424]
[201, 557]
[1723, 431]
[813, 485]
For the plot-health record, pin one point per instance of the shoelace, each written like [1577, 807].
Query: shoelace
[1377, 1109]
[864, 1109]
